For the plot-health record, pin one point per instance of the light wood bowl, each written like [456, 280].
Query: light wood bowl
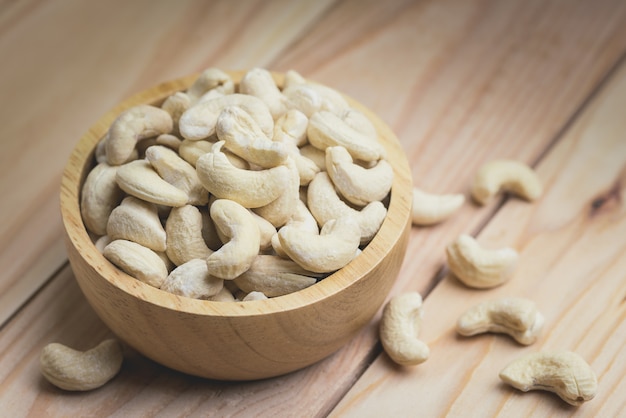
[236, 340]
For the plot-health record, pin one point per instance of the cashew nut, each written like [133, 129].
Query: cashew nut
[139, 122]
[176, 105]
[184, 235]
[359, 122]
[293, 78]
[478, 267]
[279, 211]
[192, 279]
[259, 82]
[429, 209]
[564, 373]
[399, 328]
[100, 195]
[243, 136]
[74, 370]
[316, 155]
[168, 140]
[137, 261]
[236, 256]
[332, 249]
[516, 317]
[251, 189]
[224, 295]
[291, 127]
[302, 219]
[254, 296]
[198, 122]
[138, 178]
[275, 276]
[138, 221]
[506, 176]
[357, 184]
[211, 79]
[178, 173]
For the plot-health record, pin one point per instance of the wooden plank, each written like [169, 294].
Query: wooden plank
[70, 63]
[572, 244]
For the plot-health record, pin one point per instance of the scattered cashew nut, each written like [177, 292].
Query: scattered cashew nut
[506, 176]
[429, 209]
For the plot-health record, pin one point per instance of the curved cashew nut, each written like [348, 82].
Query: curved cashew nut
[168, 140]
[198, 122]
[176, 105]
[138, 178]
[564, 373]
[325, 204]
[302, 219]
[223, 295]
[361, 123]
[139, 122]
[279, 211]
[478, 267]
[259, 82]
[192, 280]
[184, 235]
[275, 276]
[316, 155]
[74, 370]
[505, 175]
[332, 249]
[100, 195]
[251, 189]
[357, 184]
[243, 136]
[211, 79]
[291, 127]
[254, 296]
[399, 327]
[137, 261]
[236, 256]
[138, 221]
[327, 130]
[429, 209]
[293, 78]
[516, 317]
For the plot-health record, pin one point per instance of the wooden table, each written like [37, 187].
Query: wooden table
[460, 81]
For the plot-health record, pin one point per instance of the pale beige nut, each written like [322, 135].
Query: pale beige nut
[102, 242]
[178, 173]
[517, 317]
[176, 105]
[251, 189]
[100, 195]
[311, 97]
[355, 183]
[138, 221]
[301, 219]
[259, 82]
[478, 267]
[192, 280]
[254, 296]
[224, 295]
[564, 373]
[266, 230]
[505, 176]
[360, 122]
[74, 370]
[275, 276]
[168, 140]
[399, 329]
[185, 241]
[138, 178]
[137, 261]
[327, 130]
[199, 121]
[291, 128]
[332, 249]
[211, 79]
[279, 211]
[243, 136]
[317, 156]
[429, 208]
[293, 78]
[238, 224]
[190, 151]
[325, 204]
[132, 125]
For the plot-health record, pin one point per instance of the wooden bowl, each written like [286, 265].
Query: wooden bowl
[235, 340]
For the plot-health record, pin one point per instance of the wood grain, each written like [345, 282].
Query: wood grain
[571, 264]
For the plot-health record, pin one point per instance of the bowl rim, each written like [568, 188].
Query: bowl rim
[390, 232]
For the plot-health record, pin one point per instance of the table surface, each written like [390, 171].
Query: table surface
[461, 82]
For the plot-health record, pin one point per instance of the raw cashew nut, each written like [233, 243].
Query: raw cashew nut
[332, 249]
[259, 82]
[184, 235]
[275, 276]
[138, 178]
[291, 127]
[293, 78]
[168, 140]
[192, 279]
[243, 136]
[251, 189]
[237, 255]
[211, 79]
[74, 370]
[564, 373]
[176, 105]
[478, 267]
[100, 195]
[138, 221]
[198, 122]
[139, 122]
[399, 328]
[357, 184]
[301, 219]
[429, 209]
[516, 317]
[310, 98]
[254, 296]
[137, 261]
[507, 176]
[224, 295]
[282, 208]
